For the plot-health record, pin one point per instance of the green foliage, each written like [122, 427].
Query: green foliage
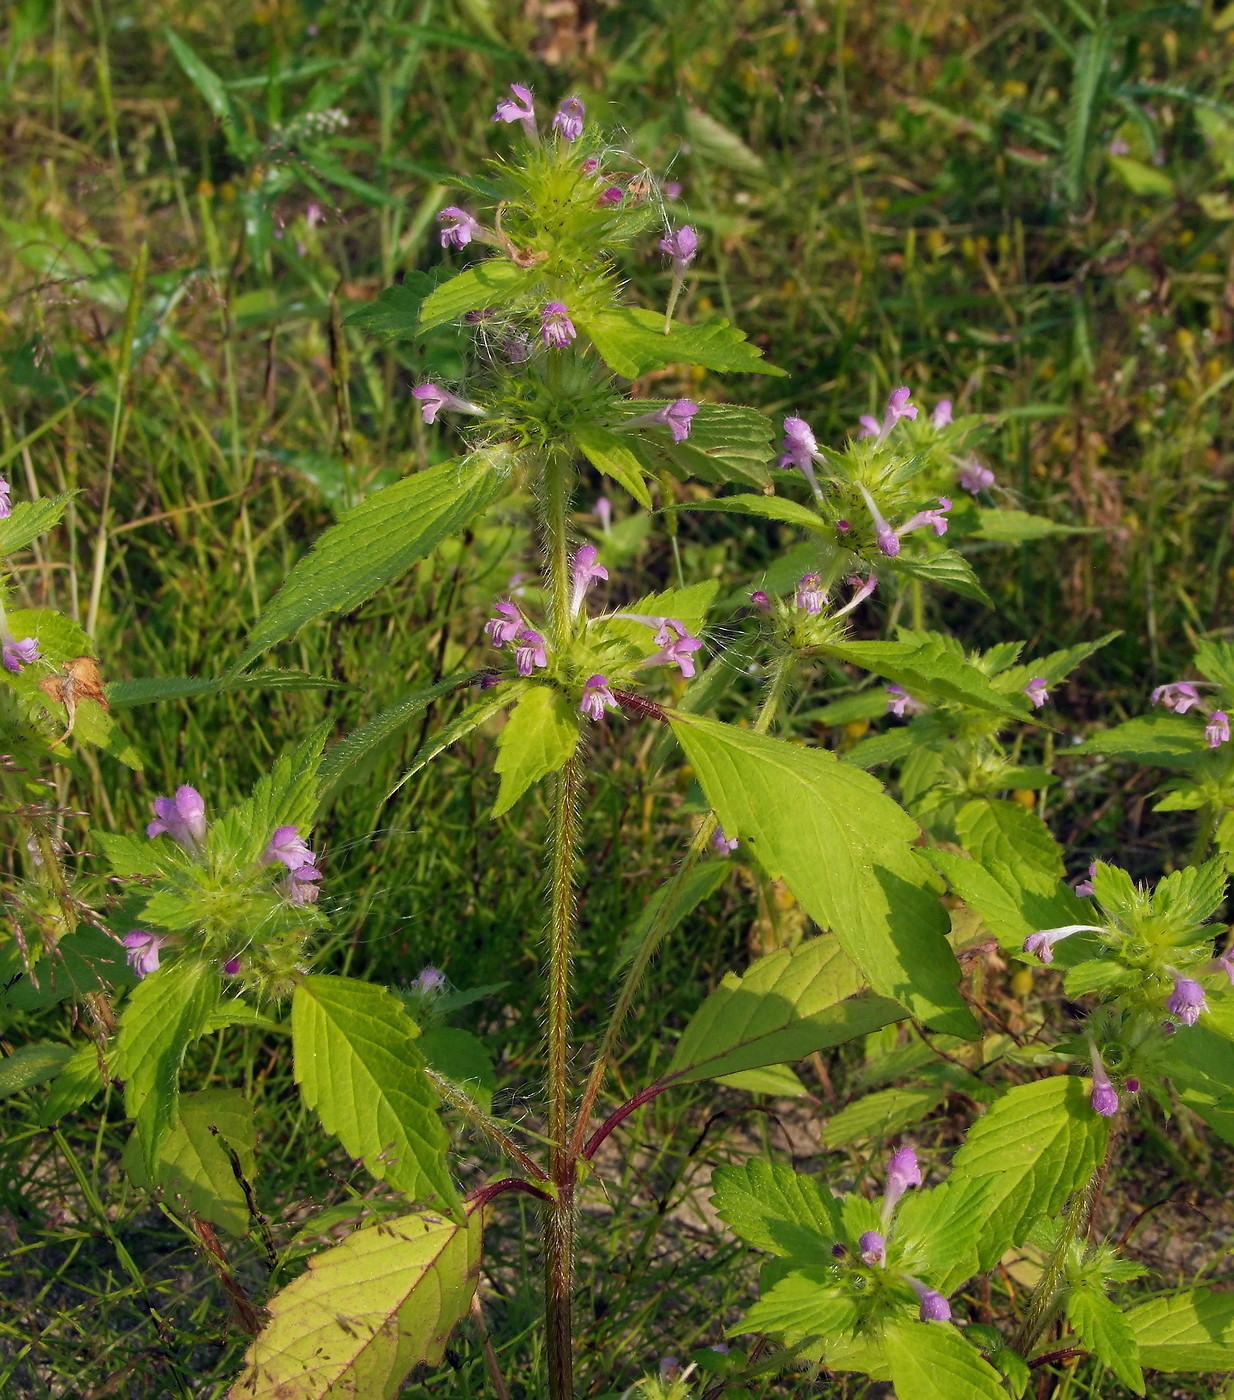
[30, 1065]
[460, 1057]
[1003, 833]
[86, 960]
[608, 454]
[1189, 1331]
[539, 737]
[1014, 901]
[1167, 741]
[366, 1312]
[359, 1067]
[882, 1115]
[929, 669]
[633, 342]
[844, 849]
[1107, 1332]
[774, 1208]
[932, 1361]
[30, 519]
[494, 283]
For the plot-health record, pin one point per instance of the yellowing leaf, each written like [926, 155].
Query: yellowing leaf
[540, 737]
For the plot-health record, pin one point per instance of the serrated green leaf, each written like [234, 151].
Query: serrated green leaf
[86, 960]
[376, 541]
[937, 1232]
[30, 519]
[928, 669]
[493, 283]
[348, 761]
[1199, 1060]
[845, 849]
[366, 1312]
[804, 1309]
[769, 508]
[286, 796]
[194, 1165]
[1107, 1333]
[1055, 665]
[888, 747]
[134, 855]
[1039, 1143]
[162, 1017]
[610, 455]
[470, 719]
[1096, 975]
[772, 1207]
[1018, 526]
[632, 342]
[948, 569]
[1215, 661]
[993, 830]
[31, 1065]
[869, 704]
[789, 1004]
[396, 312]
[1168, 741]
[932, 1361]
[148, 689]
[1192, 895]
[881, 1115]
[358, 1066]
[1192, 1331]
[77, 1083]
[460, 1057]
[540, 737]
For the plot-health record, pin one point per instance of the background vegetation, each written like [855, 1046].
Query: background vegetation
[1027, 209]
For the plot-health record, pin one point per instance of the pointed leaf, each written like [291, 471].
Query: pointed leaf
[1200, 1063]
[358, 1066]
[396, 312]
[632, 342]
[77, 1083]
[991, 830]
[805, 1309]
[932, 1361]
[948, 569]
[845, 849]
[1012, 903]
[1192, 1331]
[30, 519]
[928, 669]
[377, 541]
[466, 723]
[365, 1313]
[772, 1207]
[788, 1005]
[699, 884]
[194, 1165]
[30, 1065]
[1016, 526]
[493, 283]
[769, 508]
[1166, 740]
[1107, 1333]
[540, 737]
[610, 455]
[883, 1114]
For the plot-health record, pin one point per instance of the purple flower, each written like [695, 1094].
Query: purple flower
[1042, 942]
[903, 1171]
[902, 703]
[505, 628]
[18, 654]
[521, 107]
[590, 166]
[1226, 963]
[1179, 696]
[568, 123]
[556, 329]
[1037, 691]
[302, 885]
[516, 348]
[182, 817]
[811, 595]
[290, 847]
[530, 652]
[1187, 1000]
[1132, 1086]
[584, 571]
[143, 951]
[974, 478]
[1217, 730]
[873, 1248]
[232, 966]
[935, 517]
[899, 405]
[942, 414]
[430, 980]
[862, 588]
[1104, 1099]
[934, 1307]
[614, 194]
[800, 449]
[888, 539]
[458, 228]
[761, 601]
[1085, 888]
[870, 426]
[681, 246]
[675, 650]
[6, 506]
[597, 697]
[674, 416]
[604, 513]
[1119, 147]
[721, 844]
[433, 398]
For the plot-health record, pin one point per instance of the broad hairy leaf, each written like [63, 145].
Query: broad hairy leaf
[286, 796]
[1199, 1060]
[786, 1006]
[366, 1312]
[779, 508]
[882, 1114]
[1166, 740]
[938, 1232]
[632, 341]
[845, 849]
[460, 1057]
[932, 1361]
[992, 829]
[358, 1066]
[1013, 902]
[805, 1309]
[1016, 526]
[777, 1081]
[86, 960]
[163, 1015]
[1106, 1331]
[540, 737]
[396, 312]
[1038, 1144]
[712, 141]
[928, 669]
[1192, 1331]
[610, 455]
[949, 569]
[77, 1083]
[492, 283]
[377, 541]
[30, 519]
[772, 1207]
[30, 1065]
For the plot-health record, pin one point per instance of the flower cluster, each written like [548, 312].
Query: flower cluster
[903, 1171]
[1181, 696]
[806, 619]
[289, 847]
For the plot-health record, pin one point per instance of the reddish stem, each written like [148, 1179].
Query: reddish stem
[482, 1195]
[619, 1116]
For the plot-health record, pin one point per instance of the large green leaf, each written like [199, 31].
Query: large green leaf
[772, 1207]
[1166, 740]
[610, 455]
[365, 1313]
[932, 1361]
[991, 830]
[927, 668]
[286, 796]
[148, 689]
[948, 568]
[539, 738]
[358, 1066]
[1038, 1144]
[805, 1310]
[1192, 1331]
[30, 1065]
[632, 342]
[489, 284]
[845, 849]
[1106, 1331]
[164, 1014]
[789, 1004]
[698, 885]
[1200, 1062]
[77, 1083]
[882, 1114]
[463, 724]
[460, 1057]
[396, 312]
[779, 508]
[30, 519]
[377, 541]
[1013, 902]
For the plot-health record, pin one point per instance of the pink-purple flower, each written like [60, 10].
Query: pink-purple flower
[143, 951]
[568, 123]
[597, 697]
[811, 595]
[182, 817]
[869, 426]
[675, 416]
[584, 571]
[556, 328]
[676, 647]
[604, 513]
[941, 416]
[974, 477]
[903, 1171]
[458, 228]
[1037, 691]
[681, 246]
[1217, 730]
[721, 844]
[519, 107]
[530, 651]
[302, 885]
[505, 626]
[899, 405]
[934, 1307]
[613, 194]
[290, 847]
[1179, 696]
[1187, 1000]
[761, 601]
[6, 506]
[900, 703]
[935, 518]
[1085, 887]
[873, 1247]
[432, 398]
[1042, 942]
[430, 981]
[862, 588]
[1104, 1098]
[800, 449]
[18, 654]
